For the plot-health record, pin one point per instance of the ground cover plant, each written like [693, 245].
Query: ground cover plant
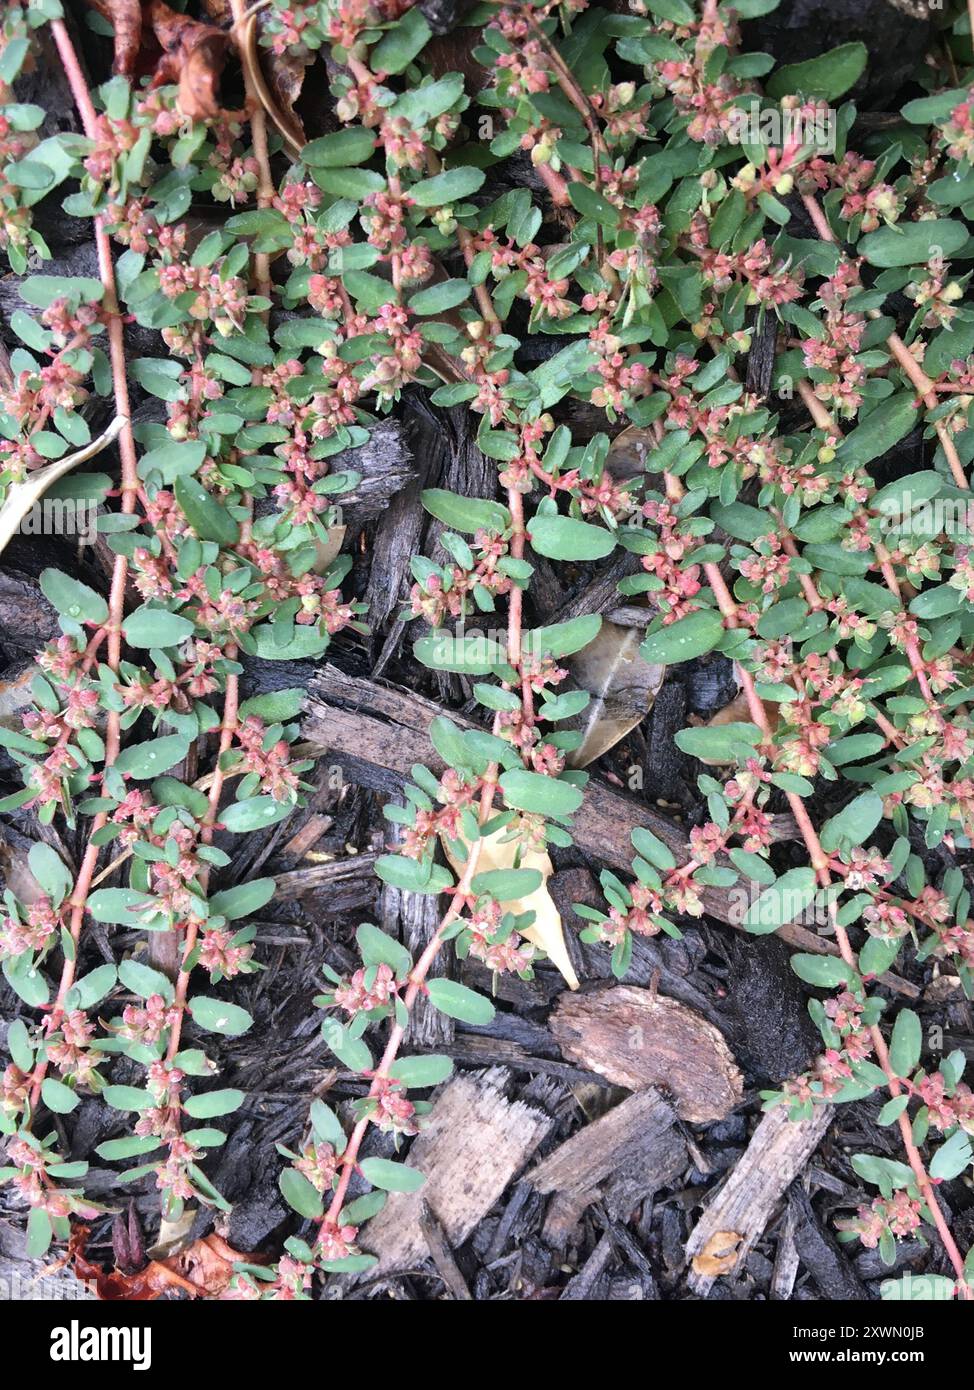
[704, 318]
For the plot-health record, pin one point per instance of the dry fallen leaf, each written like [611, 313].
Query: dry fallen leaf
[126, 20]
[547, 931]
[204, 1268]
[277, 78]
[16, 693]
[328, 551]
[17, 876]
[21, 497]
[193, 53]
[629, 451]
[739, 712]
[280, 89]
[719, 1255]
[622, 685]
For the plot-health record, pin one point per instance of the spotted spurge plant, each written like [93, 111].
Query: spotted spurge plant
[667, 219]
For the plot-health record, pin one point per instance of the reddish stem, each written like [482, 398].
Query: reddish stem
[130, 487]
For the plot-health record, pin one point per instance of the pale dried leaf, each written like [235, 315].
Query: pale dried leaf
[629, 451]
[547, 931]
[623, 687]
[286, 77]
[328, 551]
[21, 497]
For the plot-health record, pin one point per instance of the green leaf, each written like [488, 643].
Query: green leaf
[905, 1043]
[507, 884]
[685, 639]
[72, 599]
[829, 76]
[460, 1002]
[891, 421]
[722, 743]
[277, 706]
[952, 1158]
[565, 538]
[217, 1016]
[92, 988]
[40, 1233]
[785, 900]
[912, 243]
[413, 875]
[377, 949]
[422, 1071]
[371, 291]
[351, 1052]
[341, 149]
[877, 955]
[442, 190]
[364, 1208]
[854, 748]
[19, 1045]
[301, 1195]
[592, 204]
[854, 824]
[532, 791]
[58, 1097]
[327, 1126]
[652, 849]
[400, 44]
[156, 627]
[563, 639]
[829, 972]
[208, 1104]
[469, 653]
[209, 518]
[741, 521]
[118, 905]
[27, 982]
[935, 109]
[169, 791]
[144, 981]
[437, 299]
[467, 514]
[42, 290]
[391, 1177]
[150, 759]
[892, 1110]
[256, 813]
[131, 1146]
[50, 871]
[127, 1098]
[242, 900]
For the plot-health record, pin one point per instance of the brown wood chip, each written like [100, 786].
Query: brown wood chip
[623, 1157]
[636, 1038]
[778, 1151]
[474, 1142]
